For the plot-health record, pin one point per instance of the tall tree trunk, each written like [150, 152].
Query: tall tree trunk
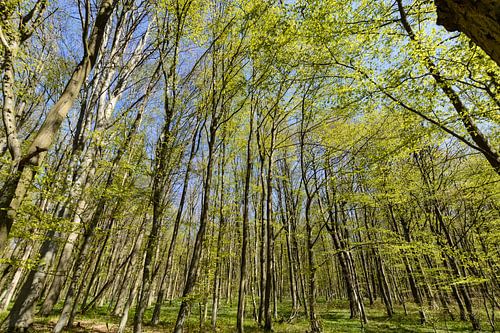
[269, 233]
[192, 273]
[240, 317]
[171, 249]
[22, 313]
[221, 234]
[348, 269]
[15, 281]
[415, 290]
[8, 107]
[88, 167]
[379, 267]
[17, 184]
[69, 308]
[135, 254]
[313, 321]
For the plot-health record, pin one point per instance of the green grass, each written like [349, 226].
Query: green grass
[334, 317]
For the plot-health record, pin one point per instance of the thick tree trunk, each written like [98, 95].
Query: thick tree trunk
[22, 313]
[479, 20]
[8, 110]
[15, 281]
[12, 36]
[105, 106]
[11, 197]
[17, 183]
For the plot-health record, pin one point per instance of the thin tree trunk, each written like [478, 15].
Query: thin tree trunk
[313, 321]
[482, 143]
[269, 234]
[171, 249]
[222, 228]
[192, 274]
[134, 283]
[240, 317]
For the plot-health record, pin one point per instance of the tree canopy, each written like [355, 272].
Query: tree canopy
[288, 159]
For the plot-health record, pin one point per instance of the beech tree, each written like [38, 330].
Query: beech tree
[477, 21]
[247, 165]
[15, 186]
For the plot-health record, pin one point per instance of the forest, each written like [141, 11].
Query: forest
[249, 166]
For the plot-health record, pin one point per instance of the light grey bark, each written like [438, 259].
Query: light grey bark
[8, 108]
[14, 31]
[106, 102]
[22, 313]
[15, 281]
[16, 186]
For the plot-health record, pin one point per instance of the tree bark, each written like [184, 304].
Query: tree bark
[173, 241]
[221, 234]
[240, 317]
[192, 273]
[269, 233]
[15, 281]
[479, 20]
[22, 313]
[482, 142]
[16, 186]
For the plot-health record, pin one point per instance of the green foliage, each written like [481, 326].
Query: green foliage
[334, 318]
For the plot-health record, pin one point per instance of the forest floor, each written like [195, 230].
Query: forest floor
[334, 318]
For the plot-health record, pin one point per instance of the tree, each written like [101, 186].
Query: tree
[16, 186]
[313, 157]
[478, 20]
